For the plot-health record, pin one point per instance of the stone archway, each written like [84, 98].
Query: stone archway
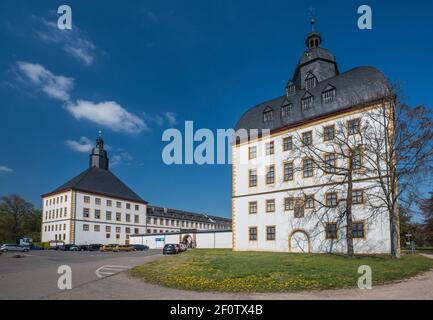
[299, 242]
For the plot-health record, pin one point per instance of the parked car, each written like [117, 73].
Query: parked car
[125, 248]
[73, 247]
[169, 249]
[13, 247]
[35, 247]
[110, 248]
[140, 247]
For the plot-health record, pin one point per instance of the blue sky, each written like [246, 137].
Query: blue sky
[155, 64]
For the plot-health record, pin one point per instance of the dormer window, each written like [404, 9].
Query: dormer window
[328, 95]
[310, 81]
[286, 110]
[290, 89]
[268, 115]
[307, 101]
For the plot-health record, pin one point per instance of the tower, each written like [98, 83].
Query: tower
[99, 157]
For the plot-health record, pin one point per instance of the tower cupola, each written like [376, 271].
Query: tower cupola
[99, 157]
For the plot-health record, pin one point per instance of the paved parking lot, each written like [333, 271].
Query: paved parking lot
[34, 276]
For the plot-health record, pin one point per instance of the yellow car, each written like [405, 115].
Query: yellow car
[125, 248]
[110, 248]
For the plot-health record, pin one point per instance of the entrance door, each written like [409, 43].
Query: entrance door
[299, 242]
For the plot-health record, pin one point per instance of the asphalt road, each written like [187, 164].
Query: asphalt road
[34, 275]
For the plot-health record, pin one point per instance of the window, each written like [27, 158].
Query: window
[270, 175]
[286, 110]
[253, 207]
[328, 133]
[252, 153]
[97, 228]
[331, 231]
[128, 206]
[307, 103]
[128, 230]
[97, 214]
[118, 230]
[109, 203]
[331, 199]
[287, 143]
[328, 96]
[118, 216]
[137, 219]
[290, 89]
[356, 159]
[268, 115]
[252, 232]
[117, 236]
[107, 229]
[85, 227]
[108, 215]
[270, 205]
[253, 178]
[310, 81]
[358, 230]
[66, 198]
[86, 213]
[270, 233]
[136, 231]
[307, 138]
[98, 201]
[330, 163]
[357, 197]
[288, 171]
[354, 126]
[86, 199]
[309, 202]
[128, 217]
[270, 148]
[118, 204]
[307, 168]
[289, 204]
[137, 207]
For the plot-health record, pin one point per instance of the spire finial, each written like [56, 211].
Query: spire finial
[312, 14]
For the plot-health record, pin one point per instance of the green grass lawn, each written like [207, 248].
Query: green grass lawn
[228, 271]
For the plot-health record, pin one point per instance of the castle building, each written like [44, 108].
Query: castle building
[282, 199]
[96, 207]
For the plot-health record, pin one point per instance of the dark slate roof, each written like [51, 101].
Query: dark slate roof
[316, 53]
[355, 87]
[180, 214]
[100, 181]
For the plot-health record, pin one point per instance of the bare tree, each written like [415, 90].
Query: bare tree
[334, 152]
[406, 135]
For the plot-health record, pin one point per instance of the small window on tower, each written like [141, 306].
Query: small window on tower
[310, 81]
[268, 115]
[290, 89]
[286, 110]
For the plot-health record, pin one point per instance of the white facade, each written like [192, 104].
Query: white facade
[76, 217]
[307, 233]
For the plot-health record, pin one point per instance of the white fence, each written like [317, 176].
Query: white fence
[201, 239]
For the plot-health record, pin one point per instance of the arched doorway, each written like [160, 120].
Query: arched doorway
[299, 242]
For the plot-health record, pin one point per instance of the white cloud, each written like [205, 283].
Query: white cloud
[57, 87]
[171, 118]
[107, 114]
[83, 145]
[5, 169]
[74, 42]
[123, 158]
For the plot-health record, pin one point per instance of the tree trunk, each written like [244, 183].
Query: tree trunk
[395, 234]
[349, 217]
